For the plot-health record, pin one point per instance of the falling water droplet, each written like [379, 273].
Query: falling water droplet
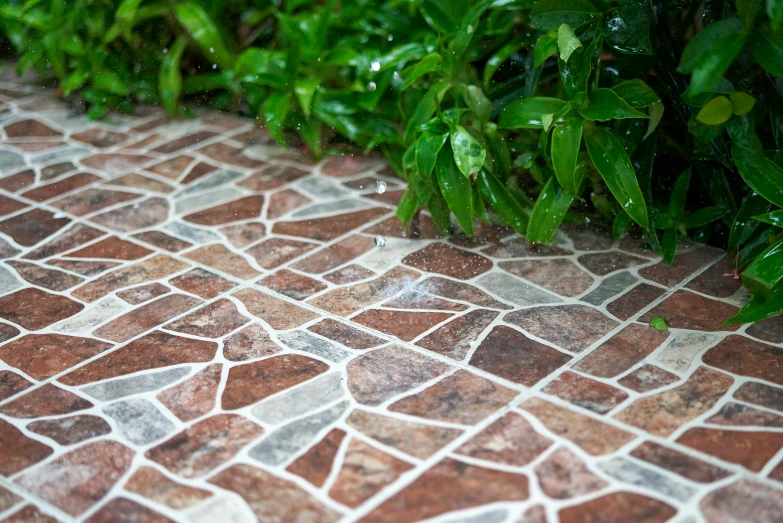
[211, 49]
[375, 66]
[380, 187]
[214, 66]
[380, 241]
[371, 86]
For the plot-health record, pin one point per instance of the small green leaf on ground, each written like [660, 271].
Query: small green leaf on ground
[659, 323]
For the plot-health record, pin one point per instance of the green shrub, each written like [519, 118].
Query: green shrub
[664, 116]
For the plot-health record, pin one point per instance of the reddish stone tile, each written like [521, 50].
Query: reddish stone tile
[335, 255]
[284, 202]
[158, 121]
[34, 147]
[751, 449]
[100, 138]
[152, 351]
[586, 393]
[146, 213]
[35, 309]
[315, 465]
[12, 383]
[48, 278]
[44, 355]
[346, 166]
[85, 268]
[6, 251]
[55, 170]
[244, 234]
[29, 514]
[761, 394]
[675, 461]
[454, 338]
[587, 237]
[571, 327]
[345, 334]
[648, 377]
[219, 257]
[714, 281]
[251, 382]
[272, 499]
[222, 120]
[163, 241]
[347, 300]
[415, 299]
[17, 451]
[29, 128]
[510, 354]
[184, 141]
[393, 227]
[47, 192]
[329, 228]
[684, 265]
[663, 413]
[271, 177]
[250, 343]
[115, 163]
[634, 300]
[124, 510]
[225, 153]
[199, 170]
[686, 310]
[154, 268]
[293, 285]
[18, 181]
[203, 283]
[138, 181]
[636, 244]
[563, 475]
[405, 325]
[242, 209]
[279, 314]
[143, 293]
[739, 415]
[275, 251]
[562, 277]
[71, 430]
[47, 400]
[622, 351]
[619, 507]
[535, 514]
[592, 436]
[111, 248]
[91, 200]
[381, 374]
[73, 237]
[449, 261]
[603, 263]
[146, 317]
[256, 135]
[195, 396]
[744, 501]
[9, 205]
[103, 463]
[510, 440]
[31, 227]
[205, 445]
[770, 330]
[777, 472]
[447, 486]
[212, 321]
[349, 274]
[7, 332]
[740, 355]
[154, 485]
[455, 290]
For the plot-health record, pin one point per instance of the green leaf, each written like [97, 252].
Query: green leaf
[775, 12]
[703, 216]
[710, 53]
[629, 31]
[703, 132]
[669, 245]
[469, 154]
[467, 28]
[567, 42]
[765, 272]
[456, 189]
[407, 207]
[679, 194]
[742, 130]
[766, 46]
[527, 113]
[760, 173]
[620, 224]
[28, 59]
[439, 210]
[305, 88]
[170, 76]
[546, 46]
[655, 114]
[548, 212]
[744, 225]
[716, 112]
[747, 10]
[659, 323]
[428, 64]
[742, 103]
[773, 218]
[498, 148]
[74, 81]
[108, 81]
[758, 309]
[606, 105]
[502, 201]
[566, 140]
[478, 102]
[425, 108]
[636, 93]
[607, 153]
[263, 67]
[547, 15]
[275, 110]
[55, 54]
[204, 31]
[444, 15]
[427, 148]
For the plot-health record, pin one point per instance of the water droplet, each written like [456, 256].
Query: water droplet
[380, 187]
[470, 29]
[371, 86]
[375, 66]
[165, 50]
[380, 241]
[211, 49]
[214, 66]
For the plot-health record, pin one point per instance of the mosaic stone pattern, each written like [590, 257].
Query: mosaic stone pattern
[196, 325]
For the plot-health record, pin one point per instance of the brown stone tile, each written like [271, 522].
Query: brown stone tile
[777, 472]
[718, 280]
[571, 327]
[663, 413]
[405, 325]
[35, 309]
[195, 396]
[71, 238]
[147, 213]
[335, 255]
[347, 300]
[648, 377]
[284, 202]
[251, 382]
[100, 138]
[163, 241]
[242, 209]
[622, 351]
[250, 343]
[376, 376]
[51, 279]
[31, 227]
[365, 472]
[55, 170]
[203, 283]
[211, 321]
[146, 317]
[12, 383]
[47, 400]
[199, 170]
[6, 250]
[585, 392]
[138, 181]
[587, 237]
[521, 248]
[619, 507]
[447, 486]
[224, 121]
[205, 445]
[510, 440]
[345, 334]
[346, 166]
[272, 499]
[272, 177]
[154, 268]
[675, 461]
[184, 141]
[751, 449]
[293, 285]
[143, 293]
[243, 234]
[744, 501]
[455, 290]
[510, 354]
[563, 475]
[72, 429]
[349, 274]
[770, 330]
[534, 514]
[46, 192]
[111, 248]
[603, 263]
[29, 128]
[154, 485]
[454, 338]
[740, 355]
[592, 436]
[739, 415]
[276, 251]
[562, 277]
[7, 332]
[225, 153]
[17, 451]
[17, 182]
[416, 439]
[91, 200]
[393, 227]
[115, 163]
[315, 465]
[8, 499]
[415, 299]
[447, 260]
[44, 355]
[256, 135]
[219, 257]
[83, 267]
[761, 394]
[634, 300]
[157, 121]
[152, 351]
[279, 314]
[684, 265]
[686, 310]
[9, 205]
[123, 509]
[29, 514]
[329, 228]
[636, 244]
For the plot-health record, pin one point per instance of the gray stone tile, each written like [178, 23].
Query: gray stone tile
[10, 161]
[139, 421]
[93, 316]
[194, 234]
[331, 208]
[69, 153]
[306, 342]
[611, 286]
[515, 290]
[226, 509]
[210, 181]
[493, 516]
[8, 280]
[323, 188]
[205, 200]
[119, 388]
[623, 469]
[300, 400]
[683, 348]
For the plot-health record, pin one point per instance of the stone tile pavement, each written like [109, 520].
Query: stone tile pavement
[199, 326]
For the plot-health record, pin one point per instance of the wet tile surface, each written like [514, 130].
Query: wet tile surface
[203, 329]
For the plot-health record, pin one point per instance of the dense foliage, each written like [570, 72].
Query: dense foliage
[665, 116]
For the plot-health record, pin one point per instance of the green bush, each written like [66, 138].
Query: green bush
[663, 116]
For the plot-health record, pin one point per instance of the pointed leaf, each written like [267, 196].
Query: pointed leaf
[765, 272]
[679, 194]
[566, 140]
[629, 31]
[760, 173]
[710, 53]
[528, 112]
[550, 209]
[468, 152]
[773, 218]
[546, 46]
[742, 103]
[275, 110]
[767, 48]
[502, 201]
[636, 93]
[547, 15]
[758, 309]
[170, 76]
[427, 148]
[456, 189]
[204, 31]
[703, 216]
[606, 105]
[567, 42]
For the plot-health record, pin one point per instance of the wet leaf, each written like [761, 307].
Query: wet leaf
[606, 105]
[469, 154]
[456, 189]
[502, 201]
[527, 113]
[567, 42]
[566, 140]
[548, 212]
[710, 53]
[547, 15]
[659, 323]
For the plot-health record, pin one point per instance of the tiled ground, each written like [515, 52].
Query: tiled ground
[198, 326]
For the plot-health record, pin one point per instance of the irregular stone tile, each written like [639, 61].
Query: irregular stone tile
[115, 163]
[349, 274]
[320, 209]
[9, 205]
[609, 288]
[212, 321]
[647, 378]
[71, 238]
[347, 300]
[172, 168]
[740, 355]
[139, 421]
[571, 327]
[31, 227]
[197, 235]
[306, 342]
[393, 227]
[195, 396]
[224, 507]
[252, 382]
[199, 170]
[146, 317]
[94, 315]
[35, 309]
[300, 400]
[415, 299]
[123, 509]
[100, 138]
[272, 177]
[684, 265]
[85, 268]
[622, 351]
[335, 255]
[285, 201]
[44, 355]
[154, 485]
[203, 283]
[256, 135]
[619, 507]
[750, 449]
[381, 374]
[770, 330]
[242, 209]
[100, 465]
[320, 187]
[535, 514]
[592, 436]
[8, 280]
[201, 200]
[29, 128]
[163, 241]
[492, 516]
[680, 352]
[467, 486]
[510, 440]
[135, 216]
[17, 451]
[315, 465]
[521, 248]
[737, 414]
[405, 325]
[215, 183]
[718, 280]
[663, 413]
[205, 445]
[682, 464]
[18, 181]
[119, 388]
[71, 430]
[47, 400]
[345, 334]
[276, 251]
[345, 166]
[634, 300]
[12, 383]
[143, 293]
[152, 351]
[587, 237]
[563, 475]
[686, 310]
[29, 514]
[627, 471]
[249, 343]
[46, 192]
[329, 228]
[777, 473]
[454, 339]
[449, 261]
[292, 438]
[48, 278]
[243, 234]
[510, 354]
[184, 141]
[272, 499]
[219, 257]
[586, 393]
[558, 275]
[293, 285]
[7, 251]
[55, 170]
[744, 501]
[636, 245]
[514, 290]
[8, 499]
[603, 263]
[761, 394]
[111, 248]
